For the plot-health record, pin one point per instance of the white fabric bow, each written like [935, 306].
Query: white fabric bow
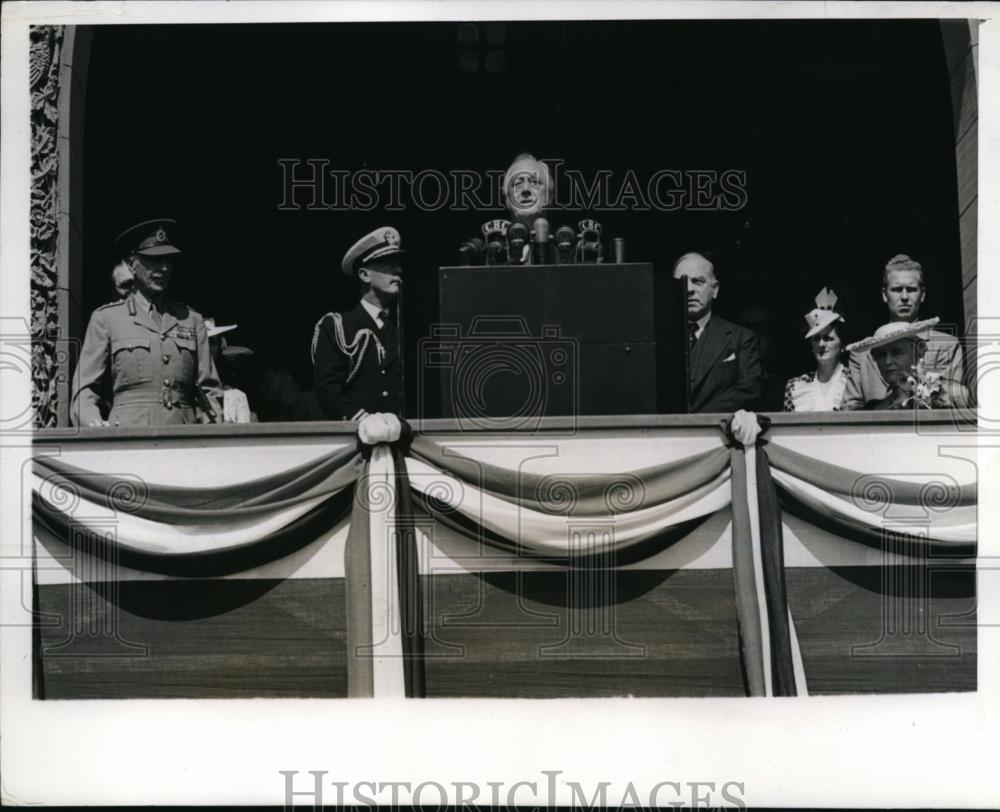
[745, 427]
[381, 427]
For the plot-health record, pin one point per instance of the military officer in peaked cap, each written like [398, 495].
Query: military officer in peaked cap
[153, 349]
[356, 365]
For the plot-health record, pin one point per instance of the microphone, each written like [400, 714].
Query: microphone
[495, 232]
[471, 251]
[565, 236]
[588, 247]
[517, 236]
[540, 241]
[496, 250]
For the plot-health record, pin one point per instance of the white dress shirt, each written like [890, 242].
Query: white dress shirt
[376, 312]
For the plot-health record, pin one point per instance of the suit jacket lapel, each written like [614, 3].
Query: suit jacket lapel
[707, 350]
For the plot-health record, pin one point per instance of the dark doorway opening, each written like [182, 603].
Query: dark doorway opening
[843, 128]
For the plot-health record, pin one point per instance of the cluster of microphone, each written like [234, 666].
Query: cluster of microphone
[506, 243]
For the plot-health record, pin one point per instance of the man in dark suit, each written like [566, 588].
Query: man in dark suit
[724, 360]
[356, 365]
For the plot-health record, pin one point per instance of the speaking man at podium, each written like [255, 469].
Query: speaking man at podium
[723, 358]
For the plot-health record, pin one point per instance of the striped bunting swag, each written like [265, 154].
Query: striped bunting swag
[396, 481]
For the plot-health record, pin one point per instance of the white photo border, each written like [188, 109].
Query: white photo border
[905, 750]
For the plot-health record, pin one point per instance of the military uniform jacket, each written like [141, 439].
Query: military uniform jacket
[356, 365]
[155, 371]
[724, 368]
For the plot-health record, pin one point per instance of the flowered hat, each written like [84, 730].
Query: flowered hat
[893, 331]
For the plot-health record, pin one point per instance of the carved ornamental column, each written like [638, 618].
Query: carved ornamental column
[46, 48]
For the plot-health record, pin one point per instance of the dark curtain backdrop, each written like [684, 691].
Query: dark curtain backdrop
[843, 129]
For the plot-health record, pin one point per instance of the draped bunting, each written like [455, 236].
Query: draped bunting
[786, 666]
[385, 654]
[180, 505]
[410, 598]
[751, 622]
[166, 528]
[935, 517]
[544, 532]
[880, 490]
[207, 563]
[385, 657]
[601, 495]
[570, 555]
[195, 531]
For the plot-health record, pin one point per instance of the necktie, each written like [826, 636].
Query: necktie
[383, 318]
[692, 330]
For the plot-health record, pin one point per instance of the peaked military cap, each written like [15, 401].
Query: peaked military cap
[382, 242]
[152, 238]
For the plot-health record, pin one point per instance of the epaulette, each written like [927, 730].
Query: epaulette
[110, 304]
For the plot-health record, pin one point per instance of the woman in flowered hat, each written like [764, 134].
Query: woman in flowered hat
[821, 390]
[898, 349]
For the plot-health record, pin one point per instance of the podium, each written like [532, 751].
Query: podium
[545, 340]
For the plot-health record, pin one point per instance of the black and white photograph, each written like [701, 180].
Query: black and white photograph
[411, 403]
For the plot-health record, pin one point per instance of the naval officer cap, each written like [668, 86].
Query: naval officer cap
[379, 244]
[151, 237]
